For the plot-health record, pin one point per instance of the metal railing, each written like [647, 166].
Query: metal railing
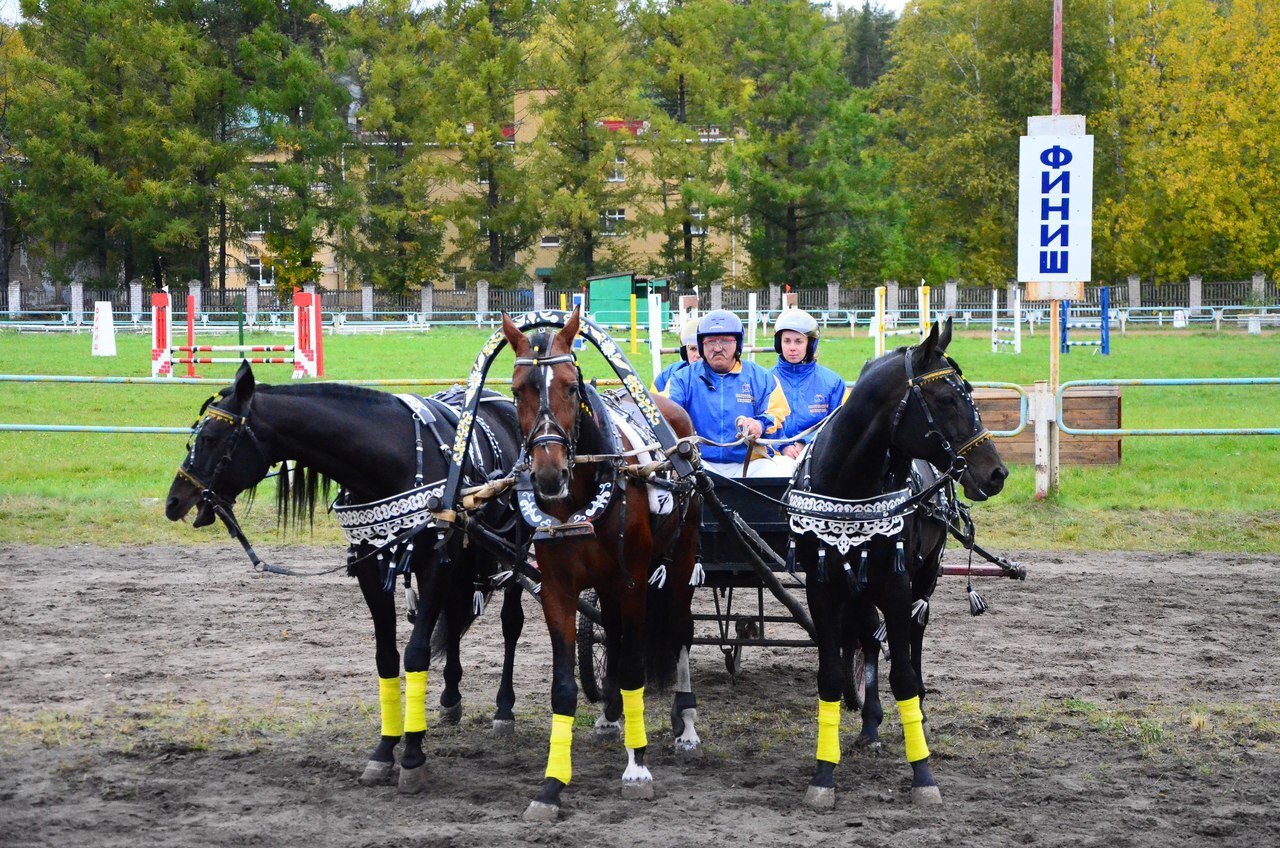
[1168, 431]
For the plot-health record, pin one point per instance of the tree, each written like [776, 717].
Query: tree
[799, 171]
[866, 35]
[296, 188]
[586, 123]
[12, 52]
[494, 206]
[398, 231]
[684, 70]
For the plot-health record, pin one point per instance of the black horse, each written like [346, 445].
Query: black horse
[861, 514]
[375, 448]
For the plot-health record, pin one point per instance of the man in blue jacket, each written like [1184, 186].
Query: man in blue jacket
[813, 391]
[727, 398]
[688, 354]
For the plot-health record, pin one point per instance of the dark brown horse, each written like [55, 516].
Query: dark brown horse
[595, 530]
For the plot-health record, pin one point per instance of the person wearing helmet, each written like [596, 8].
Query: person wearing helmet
[813, 391]
[688, 354]
[727, 397]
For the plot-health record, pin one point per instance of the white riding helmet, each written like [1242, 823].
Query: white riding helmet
[688, 336]
[798, 321]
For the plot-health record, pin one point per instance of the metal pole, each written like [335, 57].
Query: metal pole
[240, 316]
[1057, 57]
[635, 338]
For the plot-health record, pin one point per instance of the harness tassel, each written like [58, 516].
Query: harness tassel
[791, 554]
[410, 600]
[899, 559]
[849, 578]
[477, 600]
[822, 564]
[977, 606]
[699, 575]
[862, 569]
[659, 576]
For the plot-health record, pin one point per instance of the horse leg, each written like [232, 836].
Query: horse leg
[821, 793]
[637, 781]
[609, 725]
[684, 709]
[455, 621]
[902, 680]
[866, 622]
[382, 608]
[417, 659]
[559, 608]
[512, 625]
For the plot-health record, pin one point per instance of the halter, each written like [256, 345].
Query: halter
[240, 426]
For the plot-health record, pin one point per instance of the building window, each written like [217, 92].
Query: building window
[257, 272]
[257, 227]
[550, 241]
[612, 222]
[619, 172]
[698, 221]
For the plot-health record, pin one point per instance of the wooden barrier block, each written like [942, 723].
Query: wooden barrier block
[1090, 407]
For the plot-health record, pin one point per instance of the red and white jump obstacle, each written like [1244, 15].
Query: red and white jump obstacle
[307, 347]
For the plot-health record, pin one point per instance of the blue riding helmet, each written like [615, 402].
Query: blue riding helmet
[798, 321]
[720, 322]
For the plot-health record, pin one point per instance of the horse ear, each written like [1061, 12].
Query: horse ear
[515, 338]
[244, 384]
[570, 330]
[944, 339]
[925, 351]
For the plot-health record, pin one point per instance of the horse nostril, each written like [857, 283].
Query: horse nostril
[998, 475]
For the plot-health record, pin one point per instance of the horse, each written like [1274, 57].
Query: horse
[597, 531]
[372, 445]
[867, 541]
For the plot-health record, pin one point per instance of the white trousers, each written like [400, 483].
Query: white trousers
[769, 466]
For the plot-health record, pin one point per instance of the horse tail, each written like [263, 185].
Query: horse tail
[662, 636]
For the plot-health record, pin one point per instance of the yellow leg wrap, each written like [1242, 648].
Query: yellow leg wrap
[829, 731]
[389, 701]
[560, 757]
[415, 701]
[913, 730]
[633, 712]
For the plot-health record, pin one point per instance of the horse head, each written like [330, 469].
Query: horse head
[547, 388]
[938, 420]
[223, 455]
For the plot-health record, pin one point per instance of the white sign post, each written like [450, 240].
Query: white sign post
[104, 329]
[1055, 248]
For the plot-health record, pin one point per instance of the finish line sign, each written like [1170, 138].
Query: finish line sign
[1055, 201]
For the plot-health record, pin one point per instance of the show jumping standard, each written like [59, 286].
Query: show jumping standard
[307, 347]
[387, 453]
[863, 536]
[609, 494]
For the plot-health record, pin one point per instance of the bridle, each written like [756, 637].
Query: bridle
[951, 374]
[240, 428]
[546, 430]
[223, 506]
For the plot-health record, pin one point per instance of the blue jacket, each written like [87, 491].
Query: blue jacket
[813, 392]
[715, 401]
[664, 376]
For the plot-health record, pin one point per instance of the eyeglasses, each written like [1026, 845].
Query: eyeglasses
[719, 344]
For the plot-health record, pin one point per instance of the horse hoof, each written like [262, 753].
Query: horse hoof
[504, 727]
[606, 731]
[867, 743]
[451, 715]
[376, 773]
[540, 812]
[413, 780]
[926, 795]
[820, 797]
[688, 750]
[637, 790]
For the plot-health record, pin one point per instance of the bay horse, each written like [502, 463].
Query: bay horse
[866, 539]
[375, 448]
[598, 532]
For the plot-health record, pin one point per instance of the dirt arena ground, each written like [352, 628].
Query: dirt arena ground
[161, 697]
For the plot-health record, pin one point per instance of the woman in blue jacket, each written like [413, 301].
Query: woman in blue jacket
[813, 391]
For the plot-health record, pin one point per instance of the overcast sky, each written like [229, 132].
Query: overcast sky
[9, 8]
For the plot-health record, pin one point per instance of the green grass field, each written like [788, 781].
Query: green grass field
[1170, 493]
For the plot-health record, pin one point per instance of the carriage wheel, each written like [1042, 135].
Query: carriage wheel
[591, 653]
[855, 680]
